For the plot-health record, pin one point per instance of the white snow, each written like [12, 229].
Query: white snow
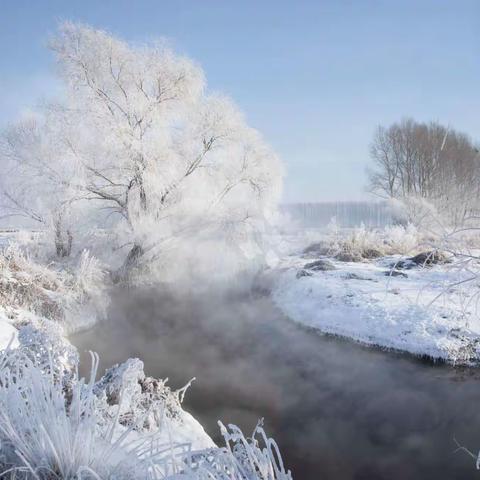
[185, 430]
[391, 312]
[8, 333]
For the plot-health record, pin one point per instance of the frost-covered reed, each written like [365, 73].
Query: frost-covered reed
[54, 429]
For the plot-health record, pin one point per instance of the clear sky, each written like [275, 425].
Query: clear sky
[315, 77]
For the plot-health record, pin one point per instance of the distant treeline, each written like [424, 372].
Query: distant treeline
[346, 214]
[428, 161]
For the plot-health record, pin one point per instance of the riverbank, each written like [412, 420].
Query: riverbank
[425, 310]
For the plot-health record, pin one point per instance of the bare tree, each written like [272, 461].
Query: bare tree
[428, 161]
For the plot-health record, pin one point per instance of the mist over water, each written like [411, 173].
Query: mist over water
[336, 409]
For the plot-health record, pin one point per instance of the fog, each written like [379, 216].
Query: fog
[336, 409]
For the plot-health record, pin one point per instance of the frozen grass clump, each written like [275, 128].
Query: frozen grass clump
[359, 244]
[402, 239]
[26, 285]
[70, 296]
[89, 278]
[366, 244]
[253, 458]
[391, 240]
[47, 433]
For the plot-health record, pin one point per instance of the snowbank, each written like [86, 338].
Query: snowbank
[361, 301]
[8, 333]
[145, 404]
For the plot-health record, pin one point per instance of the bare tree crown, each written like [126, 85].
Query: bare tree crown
[412, 159]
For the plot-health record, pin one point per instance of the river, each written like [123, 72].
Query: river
[337, 410]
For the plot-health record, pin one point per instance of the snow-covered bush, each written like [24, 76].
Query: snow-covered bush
[391, 240]
[417, 211]
[402, 239]
[362, 242]
[71, 296]
[29, 286]
[365, 244]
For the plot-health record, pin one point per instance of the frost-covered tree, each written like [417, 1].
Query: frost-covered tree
[427, 161]
[138, 144]
[37, 180]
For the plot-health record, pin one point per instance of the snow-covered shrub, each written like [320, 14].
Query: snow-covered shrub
[391, 240]
[433, 218]
[402, 239]
[144, 404]
[26, 285]
[32, 242]
[362, 243]
[140, 402]
[88, 285]
[70, 295]
[415, 210]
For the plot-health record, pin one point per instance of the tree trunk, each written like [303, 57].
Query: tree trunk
[63, 247]
[130, 262]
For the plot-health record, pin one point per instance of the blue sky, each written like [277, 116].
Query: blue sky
[316, 77]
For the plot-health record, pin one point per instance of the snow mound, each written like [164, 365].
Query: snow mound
[145, 404]
[8, 333]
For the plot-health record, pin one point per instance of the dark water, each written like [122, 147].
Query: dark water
[337, 410]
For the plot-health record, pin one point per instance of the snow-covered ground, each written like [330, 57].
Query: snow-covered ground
[8, 333]
[419, 310]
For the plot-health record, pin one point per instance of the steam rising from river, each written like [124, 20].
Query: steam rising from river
[337, 410]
